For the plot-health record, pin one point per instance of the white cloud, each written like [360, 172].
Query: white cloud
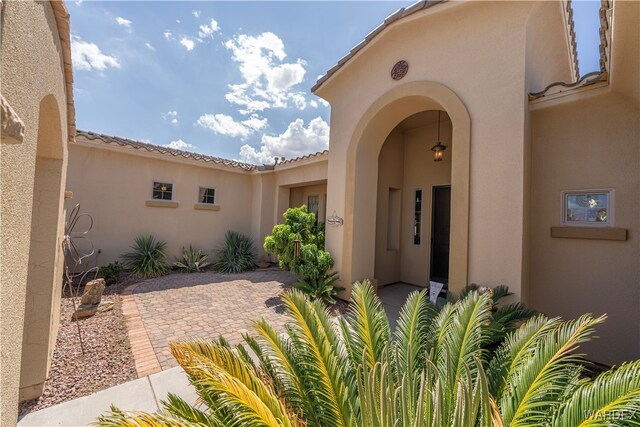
[208, 30]
[168, 35]
[187, 43]
[296, 141]
[178, 21]
[268, 81]
[225, 125]
[124, 22]
[179, 145]
[88, 56]
[172, 116]
[149, 46]
[196, 13]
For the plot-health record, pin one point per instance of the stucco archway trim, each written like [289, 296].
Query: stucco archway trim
[362, 169]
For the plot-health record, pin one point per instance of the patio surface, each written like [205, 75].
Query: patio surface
[181, 306]
[199, 305]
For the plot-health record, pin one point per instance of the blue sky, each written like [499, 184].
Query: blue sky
[229, 79]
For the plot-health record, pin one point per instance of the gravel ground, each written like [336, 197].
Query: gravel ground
[107, 361]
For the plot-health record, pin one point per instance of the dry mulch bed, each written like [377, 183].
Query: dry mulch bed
[107, 361]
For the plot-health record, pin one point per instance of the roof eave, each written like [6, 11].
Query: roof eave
[396, 16]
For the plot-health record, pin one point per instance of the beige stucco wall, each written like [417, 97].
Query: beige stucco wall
[300, 195]
[32, 81]
[113, 186]
[591, 143]
[390, 183]
[484, 67]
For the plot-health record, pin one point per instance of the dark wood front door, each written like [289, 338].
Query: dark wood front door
[440, 230]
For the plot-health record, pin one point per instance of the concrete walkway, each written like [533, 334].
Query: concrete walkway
[143, 394]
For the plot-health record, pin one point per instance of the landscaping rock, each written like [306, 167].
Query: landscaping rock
[85, 310]
[105, 306]
[93, 292]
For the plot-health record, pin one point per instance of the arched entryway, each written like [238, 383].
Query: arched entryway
[361, 192]
[413, 202]
[44, 277]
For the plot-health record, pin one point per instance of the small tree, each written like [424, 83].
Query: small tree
[312, 262]
[299, 224]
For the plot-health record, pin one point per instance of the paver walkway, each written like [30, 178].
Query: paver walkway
[200, 305]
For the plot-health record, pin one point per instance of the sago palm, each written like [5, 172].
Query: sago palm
[433, 370]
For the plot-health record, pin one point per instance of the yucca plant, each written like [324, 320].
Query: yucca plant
[236, 255]
[433, 370]
[192, 260]
[147, 257]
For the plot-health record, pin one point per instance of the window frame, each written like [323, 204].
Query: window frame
[421, 221]
[203, 196]
[565, 194]
[162, 192]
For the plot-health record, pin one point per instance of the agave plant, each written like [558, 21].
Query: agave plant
[192, 260]
[433, 370]
[236, 255]
[147, 257]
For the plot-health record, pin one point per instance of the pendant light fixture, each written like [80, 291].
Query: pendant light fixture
[438, 149]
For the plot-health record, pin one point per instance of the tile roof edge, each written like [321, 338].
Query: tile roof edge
[396, 16]
[315, 155]
[595, 76]
[110, 139]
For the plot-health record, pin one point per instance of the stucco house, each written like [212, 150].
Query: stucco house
[38, 120]
[523, 144]
[465, 146]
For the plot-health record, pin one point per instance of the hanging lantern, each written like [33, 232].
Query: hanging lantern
[438, 149]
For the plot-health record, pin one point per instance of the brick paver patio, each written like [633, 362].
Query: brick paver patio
[204, 305]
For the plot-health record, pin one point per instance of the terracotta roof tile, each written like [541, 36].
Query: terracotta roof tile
[308, 156]
[107, 139]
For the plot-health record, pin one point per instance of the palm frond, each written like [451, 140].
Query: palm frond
[278, 357]
[217, 370]
[369, 331]
[613, 397]
[411, 333]
[119, 418]
[516, 348]
[178, 407]
[322, 366]
[538, 379]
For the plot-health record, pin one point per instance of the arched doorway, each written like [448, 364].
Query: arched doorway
[413, 202]
[44, 277]
[361, 192]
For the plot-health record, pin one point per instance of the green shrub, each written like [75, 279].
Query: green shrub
[320, 288]
[192, 260]
[299, 224]
[316, 282]
[238, 254]
[147, 257]
[432, 370]
[110, 272]
[313, 262]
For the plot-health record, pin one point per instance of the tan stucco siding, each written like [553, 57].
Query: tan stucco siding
[113, 187]
[300, 196]
[588, 144]
[31, 69]
[484, 66]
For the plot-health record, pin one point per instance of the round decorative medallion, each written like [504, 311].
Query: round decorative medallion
[399, 70]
